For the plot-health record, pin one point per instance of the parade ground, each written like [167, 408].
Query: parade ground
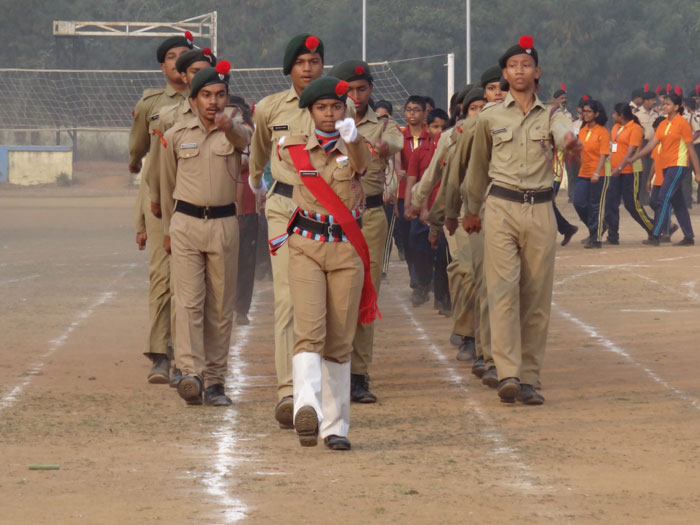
[615, 442]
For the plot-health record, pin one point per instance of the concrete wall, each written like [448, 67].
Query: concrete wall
[89, 146]
[28, 165]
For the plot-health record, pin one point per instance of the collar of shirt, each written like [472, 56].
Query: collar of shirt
[292, 94]
[312, 142]
[423, 132]
[509, 101]
[172, 92]
[186, 107]
[370, 116]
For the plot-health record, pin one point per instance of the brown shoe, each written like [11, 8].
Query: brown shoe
[490, 377]
[284, 412]
[334, 442]
[306, 423]
[160, 371]
[509, 389]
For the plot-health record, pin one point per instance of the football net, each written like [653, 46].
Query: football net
[32, 99]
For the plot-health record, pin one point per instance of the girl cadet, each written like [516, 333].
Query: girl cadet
[592, 183]
[329, 276]
[676, 139]
[625, 184]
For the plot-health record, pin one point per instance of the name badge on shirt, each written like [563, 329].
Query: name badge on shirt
[280, 127]
[613, 147]
[342, 160]
[191, 145]
[497, 131]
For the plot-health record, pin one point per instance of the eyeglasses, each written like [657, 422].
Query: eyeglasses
[413, 110]
[586, 111]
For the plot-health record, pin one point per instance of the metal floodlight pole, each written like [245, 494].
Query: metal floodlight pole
[364, 30]
[450, 77]
[469, 41]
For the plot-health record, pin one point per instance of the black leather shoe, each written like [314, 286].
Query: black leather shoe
[593, 244]
[479, 368]
[284, 412]
[687, 241]
[490, 377]
[651, 241]
[509, 389]
[614, 242]
[530, 396]
[568, 235]
[215, 396]
[160, 371]
[190, 389]
[242, 319]
[334, 442]
[359, 389]
[419, 296]
[306, 424]
[175, 377]
[467, 350]
[456, 340]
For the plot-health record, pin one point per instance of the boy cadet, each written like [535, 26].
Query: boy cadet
[276, 116]
[387, 140]
[200, 168]
[511, 158]
[149, 227]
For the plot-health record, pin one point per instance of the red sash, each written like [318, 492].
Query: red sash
[369, 310]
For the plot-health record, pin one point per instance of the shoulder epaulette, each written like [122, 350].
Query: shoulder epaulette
[152, 92]
[490, 105]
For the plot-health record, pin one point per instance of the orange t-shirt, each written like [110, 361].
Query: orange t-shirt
[658, 170]
[674, 135]
[596, 142]
[631, 134]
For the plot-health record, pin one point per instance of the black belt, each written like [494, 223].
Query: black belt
[320, 228]
[286, 190]
[374, 201]
[206, 212]
[525, 197]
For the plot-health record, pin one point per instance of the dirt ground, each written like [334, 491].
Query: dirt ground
[615, 442]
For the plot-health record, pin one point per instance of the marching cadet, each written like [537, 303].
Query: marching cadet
[387, 140]
[510, 169]
[148, 226]
[276, 116]
[329, 264]
[200, 170]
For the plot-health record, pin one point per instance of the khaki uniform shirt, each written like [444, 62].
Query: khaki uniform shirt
[373, 128]
[276, 116]
[341, 169]
[433, 173]
[169, 116]
[646, 119]
[514, 150]
[199, 166]
[456, 168]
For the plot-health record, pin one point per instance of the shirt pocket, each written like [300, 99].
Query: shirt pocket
[341, 169]
[503, 144]
[541, 140]
[184, 154]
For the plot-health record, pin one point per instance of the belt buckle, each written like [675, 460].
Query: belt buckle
[206, 213]
[329, 230]
[529, 197]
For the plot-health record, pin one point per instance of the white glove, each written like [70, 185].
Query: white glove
[347, 128]
[259, 190]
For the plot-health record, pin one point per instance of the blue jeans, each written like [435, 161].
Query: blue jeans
[625, 188]
[589, 201]
[430, 266]
[671, 195]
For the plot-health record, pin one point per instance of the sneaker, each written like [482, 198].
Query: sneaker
[419, 296]
[490, 377]
[586, 240]
[359, 389]
[593, 245]
[284, 412]
[673, 229]
[306, 423]
[529, 395]
[479, 367]
[190, 389]
[651, 241]
[687, 241]
[215, 396]
[467, 350]
[509, 390]
[568, 235]
[614, 242]
[160, 371]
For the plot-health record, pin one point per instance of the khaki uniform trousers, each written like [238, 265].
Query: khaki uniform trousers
[205, 266]
[278, 210]
[375, 229]
[460, 274]
[483, 332]
[520, 244]
[325, 279]
[160, 311]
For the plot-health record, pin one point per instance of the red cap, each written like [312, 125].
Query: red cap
[359, 70]
[646, 87]
[341, 88]
[311, 43]
[189, 36]
[223, 67]
[526, 42]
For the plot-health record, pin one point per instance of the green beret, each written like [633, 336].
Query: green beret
[558, 93]
[194, 55]
[323, 88]
[524, 46]
[209, 76]
[169, 43]
[300, 45]
[460, 96]
[352, 70]
[475, 94]
[492, 74]
[648, 95]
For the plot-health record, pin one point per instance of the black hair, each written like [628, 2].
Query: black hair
[384, 104]
[585, 99]
[597, 107]
[437, 113]
[625, 110]
[657, 122]
[415, 99]
[429, 101]
[690, 104]
[637, 93]
[453, 104]
[677, 100]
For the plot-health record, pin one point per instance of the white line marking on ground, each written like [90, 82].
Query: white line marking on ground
[19, 279]
[525, 481]
[679, 258]
[651, 310]
[608, 345]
